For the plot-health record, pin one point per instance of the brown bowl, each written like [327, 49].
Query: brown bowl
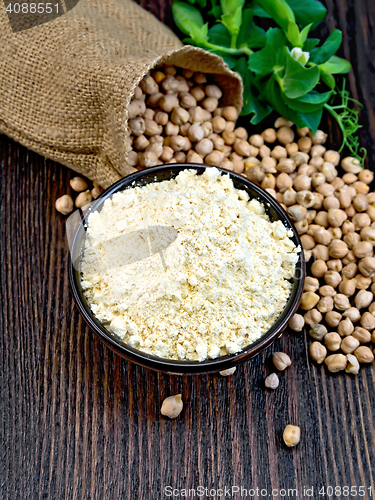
[158, 174]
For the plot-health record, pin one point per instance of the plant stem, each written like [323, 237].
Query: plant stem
[227, 50]
[338, 120]
[233, 42]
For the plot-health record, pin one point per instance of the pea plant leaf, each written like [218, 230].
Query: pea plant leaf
[308, 11]
[251, 105]
[297, 79]
[186, 17]
[279, 11]
[336, 65]
[250, 35]
[310, 43]
[319, 55]
[233, 21]
[327, 78]
[263, 61]
[219, 35]
[308, 103]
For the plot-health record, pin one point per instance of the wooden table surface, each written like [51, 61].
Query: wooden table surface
[78, 422]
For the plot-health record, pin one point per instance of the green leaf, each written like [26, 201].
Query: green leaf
[294, 35]
[336, 65]
[233, 21]
[309, 103]
[199, 35]
[311, 120]
[263, 61]
[250, 34]
[308, 11]
[320, 55]
[259, 12]
[229, 7]
[297, 79]
[328, 79]
[186, 16]
[305, 32]
[201, 3]
[231, 61]
[273, 94]
[310, 43]
[279, 11]
[251, 104]
[219, 35]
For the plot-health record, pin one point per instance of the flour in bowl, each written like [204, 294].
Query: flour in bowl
[187, 269]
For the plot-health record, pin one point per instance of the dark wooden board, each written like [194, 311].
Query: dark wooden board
[78, 422]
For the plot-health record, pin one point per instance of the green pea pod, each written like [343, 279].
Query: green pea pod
[186, 16]
[229, 7]
[279, 11]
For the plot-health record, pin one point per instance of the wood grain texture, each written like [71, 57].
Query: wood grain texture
[78, 422]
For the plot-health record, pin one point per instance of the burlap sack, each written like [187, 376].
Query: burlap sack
[65, 85]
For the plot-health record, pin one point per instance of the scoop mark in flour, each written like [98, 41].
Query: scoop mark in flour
[137, 245]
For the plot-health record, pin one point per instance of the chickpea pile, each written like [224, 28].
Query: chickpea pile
[176, 116]
[84, 197]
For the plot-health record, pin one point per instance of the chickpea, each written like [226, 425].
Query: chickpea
[351, 165]
[327, 291]
[281, 360]
[172, 406]
[297, 323]
[349, 344]
[368, 234]
[336, 362]
[364, 354]
[319, 137]
[368, 321]
[321, 219]
[307, 241]
[360, 202]
[332, 278]
[241, 133]
[366, 176]
[347, 287]
[318, 201]
[313, 317]
[351, 239]
[336, 217]
[272, 381]
[341, 302]
[228, 372]
[361, 220]
[269, 135]
[311, 284]
[350, 211]
[371, 212]
[329, 171]
[311, 214]
[320, 252]
[279, 152]
[230, 113]
[362, 335]
[337, 249]
[333, 318]
[325, 304]
[302, 183]
[297, 213]
[335, 265]
[318, 332]
[332, 341]
[286, 165]
[361, 187]
[305, 198]
[215, 158]
[367, 266]
[362, 283]
[332, 157]
[301, 226]
[193, 157]
[363, 299]
[319, 269]
[352, 364]
[64, 204]
[353, 314]
[289, 196]
[363, 249]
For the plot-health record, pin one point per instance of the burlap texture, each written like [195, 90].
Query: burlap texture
[65, 85]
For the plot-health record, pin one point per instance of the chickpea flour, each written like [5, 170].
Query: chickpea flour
[217, 287]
